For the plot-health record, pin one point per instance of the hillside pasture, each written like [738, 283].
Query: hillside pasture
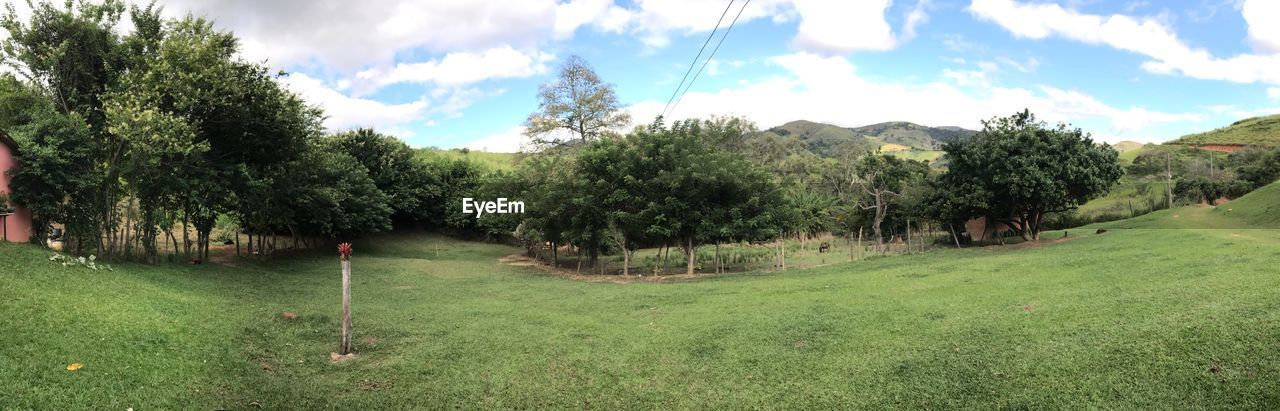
[1128, 319]
[1259, 131]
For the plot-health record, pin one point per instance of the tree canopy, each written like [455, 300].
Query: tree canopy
[1018, 169]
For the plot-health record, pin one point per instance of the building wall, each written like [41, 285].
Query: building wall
[17, 227]
[980, 229]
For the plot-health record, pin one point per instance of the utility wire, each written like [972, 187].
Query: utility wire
[710, 56]
[695, 58]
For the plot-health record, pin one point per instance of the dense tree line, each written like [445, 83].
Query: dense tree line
[125, 138]
[657, 186]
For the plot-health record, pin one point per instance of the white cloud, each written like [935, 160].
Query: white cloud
[344, 112]
[832, 27]
[1027, 66]
[828, 89]
[601, 14]
[456, 69]
[1274, 93]
[1263, 17]
[511, 140]
[843, 26]
[347, 36]
[1146, 36]
[838, 27]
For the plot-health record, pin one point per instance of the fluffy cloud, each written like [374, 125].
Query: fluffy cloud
[456, 69]
[1263, 17]
[511, 140]
[828, 89]
[1274, 93]
[601, 14]
[843, 26]
[348, 36]
[1145, 36]
[345, 112]
[832, 27]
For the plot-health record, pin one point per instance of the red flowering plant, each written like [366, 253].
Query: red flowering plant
[344, 250]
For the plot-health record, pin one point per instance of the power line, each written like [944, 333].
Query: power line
[695, 58]
[709, 57]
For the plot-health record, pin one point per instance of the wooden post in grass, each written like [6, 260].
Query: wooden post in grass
[860, 249]
[1168, 180]
[908, 234]
[344, 250]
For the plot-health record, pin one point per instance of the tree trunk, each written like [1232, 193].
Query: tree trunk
[626, 262]
[908, 234]
[345, 348]
[860, 249]
[717, 256]
[555, 255]
[952, 227]
[849, 237]
[875, 227]
[689, 255]
[186, 241]
[782, 254]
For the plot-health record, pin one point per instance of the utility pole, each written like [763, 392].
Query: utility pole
[1168, 180]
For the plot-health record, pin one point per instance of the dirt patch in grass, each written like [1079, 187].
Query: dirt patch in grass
[335, 358]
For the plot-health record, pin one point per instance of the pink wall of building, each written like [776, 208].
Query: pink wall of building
[17, 226]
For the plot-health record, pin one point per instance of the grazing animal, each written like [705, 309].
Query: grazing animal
[824, 247]
[195, 261]
[1101, 230]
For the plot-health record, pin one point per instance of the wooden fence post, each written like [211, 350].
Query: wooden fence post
[344, 250]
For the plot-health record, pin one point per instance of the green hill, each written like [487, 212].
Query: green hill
[912, 135]
[1260, 131]
[823, 139]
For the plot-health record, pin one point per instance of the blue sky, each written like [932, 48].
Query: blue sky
[453, 74]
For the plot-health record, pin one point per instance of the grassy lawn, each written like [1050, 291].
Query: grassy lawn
[1130, 318]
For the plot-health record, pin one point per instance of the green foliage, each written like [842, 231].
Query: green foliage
[333, 195]
[577, 102]
[168, 119]
[408, 183]
[1017, 170]
[1258, 167]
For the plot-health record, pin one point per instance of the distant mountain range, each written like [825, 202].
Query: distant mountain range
[824, 139]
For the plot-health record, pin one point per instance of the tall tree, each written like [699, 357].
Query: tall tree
[1019, 169]
[882, 179]
[578, 102]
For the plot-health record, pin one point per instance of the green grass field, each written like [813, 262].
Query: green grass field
[1137, 318]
